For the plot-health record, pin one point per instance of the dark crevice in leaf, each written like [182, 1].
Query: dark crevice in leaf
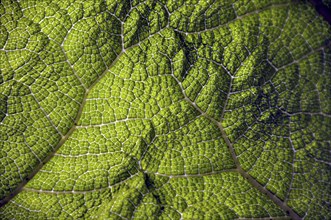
[190, 52]
[3, 106]
[149, 182]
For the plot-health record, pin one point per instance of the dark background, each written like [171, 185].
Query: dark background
[323, 9]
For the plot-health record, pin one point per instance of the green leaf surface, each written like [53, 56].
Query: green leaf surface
[164, 110]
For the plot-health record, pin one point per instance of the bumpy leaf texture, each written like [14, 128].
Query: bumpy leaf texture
[164, 110]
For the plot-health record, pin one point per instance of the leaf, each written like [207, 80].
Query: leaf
[164, 109]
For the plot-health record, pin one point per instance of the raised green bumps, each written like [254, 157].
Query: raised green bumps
[164, 110]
